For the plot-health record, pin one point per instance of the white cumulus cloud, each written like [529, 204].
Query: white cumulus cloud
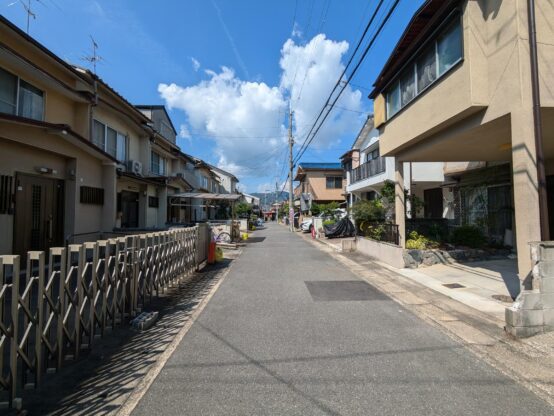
[247, 120]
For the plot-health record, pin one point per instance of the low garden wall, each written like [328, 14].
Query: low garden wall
[398, 257]
[390, 254]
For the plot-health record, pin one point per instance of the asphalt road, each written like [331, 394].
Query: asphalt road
[289, 332]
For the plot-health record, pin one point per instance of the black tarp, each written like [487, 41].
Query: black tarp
[342, 228]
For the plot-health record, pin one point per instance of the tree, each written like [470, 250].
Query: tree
[243, 209]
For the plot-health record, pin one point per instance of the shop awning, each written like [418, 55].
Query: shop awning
[209, 196]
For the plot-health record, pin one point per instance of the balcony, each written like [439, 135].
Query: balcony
[367, 170]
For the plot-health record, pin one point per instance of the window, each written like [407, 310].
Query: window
[121, 153]
[153, 202]
[20, 98]
[407, 86]
[442, 54]
[90, 195]
[98, 131]
[204, 182]
[427, 68]
[8, 92]
[109, 140]
[334, 182]
[449, 48]
[157, 164]
[166, 131]
[373, 154]
[31, 101]
[393, 100]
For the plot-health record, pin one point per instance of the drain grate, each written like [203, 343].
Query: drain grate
[453, 285]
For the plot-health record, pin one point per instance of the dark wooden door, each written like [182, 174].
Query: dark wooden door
[38, 223]
[433, 203]
[129, 209]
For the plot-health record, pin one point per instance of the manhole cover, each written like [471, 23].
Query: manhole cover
[343, 290]
[453, 285]
[503, 298]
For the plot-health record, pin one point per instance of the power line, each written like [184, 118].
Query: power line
[345, 68]
[360, 61]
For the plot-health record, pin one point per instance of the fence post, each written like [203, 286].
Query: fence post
[14, 261]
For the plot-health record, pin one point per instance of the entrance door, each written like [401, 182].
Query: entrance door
[38, 222]
[433, 203]
[129, 209]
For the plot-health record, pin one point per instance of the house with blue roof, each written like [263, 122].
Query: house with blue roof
[319, 183]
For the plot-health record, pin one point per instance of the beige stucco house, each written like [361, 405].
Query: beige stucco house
[78, 161]
[319, 183]
[457, 88]
[55, 183]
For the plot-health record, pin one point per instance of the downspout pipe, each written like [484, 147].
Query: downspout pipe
[537, 122]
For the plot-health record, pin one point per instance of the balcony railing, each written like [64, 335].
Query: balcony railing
[367, 170]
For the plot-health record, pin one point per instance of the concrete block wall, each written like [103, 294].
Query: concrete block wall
[533, 311]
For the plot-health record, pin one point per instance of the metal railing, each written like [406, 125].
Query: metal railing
[368, 169]
[68, 297]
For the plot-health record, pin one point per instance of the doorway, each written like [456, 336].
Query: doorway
[129, 209]
[38, 221]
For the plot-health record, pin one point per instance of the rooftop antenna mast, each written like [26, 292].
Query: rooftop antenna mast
[28, 10]
[94, 58]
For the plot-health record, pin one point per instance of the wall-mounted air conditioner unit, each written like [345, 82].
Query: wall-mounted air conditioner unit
[134, 167]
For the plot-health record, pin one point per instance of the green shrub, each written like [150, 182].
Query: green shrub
[417, 241]
[329, 222]
[469, 236]
[375, 232]
[368, 211]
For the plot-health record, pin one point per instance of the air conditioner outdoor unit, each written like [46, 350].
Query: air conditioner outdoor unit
[134, 167]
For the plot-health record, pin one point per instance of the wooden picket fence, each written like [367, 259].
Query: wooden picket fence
[70, 296]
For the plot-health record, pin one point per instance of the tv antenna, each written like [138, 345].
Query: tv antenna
[94, 58]
[28, 10]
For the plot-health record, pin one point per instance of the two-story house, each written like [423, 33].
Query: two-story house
[467, 85]
[55, 183]
[319, 183]
[367, 172]
[227, 180]
[457, 88]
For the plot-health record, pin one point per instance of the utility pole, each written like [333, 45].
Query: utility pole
[275, 201]
[291, 201]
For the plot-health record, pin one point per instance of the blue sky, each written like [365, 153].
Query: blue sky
[228, 68]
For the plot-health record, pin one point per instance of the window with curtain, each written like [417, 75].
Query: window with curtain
[449, 48]
[393, 100]
[121, 153]
[427, 68]
[8, 92]
[442, 54]
[407, 86]
[31, 101]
